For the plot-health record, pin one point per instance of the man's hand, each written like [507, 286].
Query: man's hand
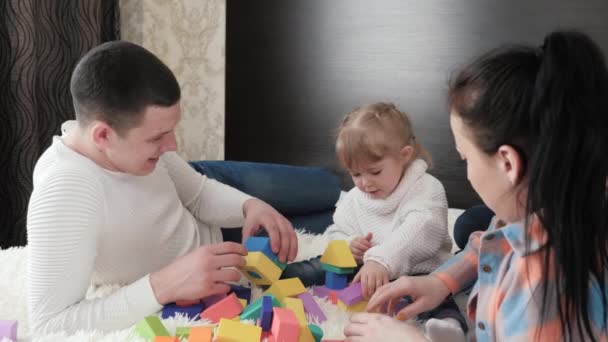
[372, 276]
[199, 274]
[360, 245]
[283, 239]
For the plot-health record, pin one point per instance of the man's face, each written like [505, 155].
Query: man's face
[139, 150]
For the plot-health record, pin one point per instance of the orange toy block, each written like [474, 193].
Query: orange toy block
[260, 270]
[285, 326]
[338, 254]
[231, 331]
[166, 339]
[286, 288]
[200, 334]
[228, 307]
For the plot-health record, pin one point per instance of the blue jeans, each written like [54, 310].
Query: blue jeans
[473, 219]
[306, 196]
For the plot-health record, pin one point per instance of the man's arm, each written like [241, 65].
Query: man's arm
[65, 214]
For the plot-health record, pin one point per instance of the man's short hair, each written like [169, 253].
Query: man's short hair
[115, 82]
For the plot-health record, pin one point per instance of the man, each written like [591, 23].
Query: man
[113, 203]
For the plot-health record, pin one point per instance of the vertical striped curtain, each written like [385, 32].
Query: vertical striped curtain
[40, 43]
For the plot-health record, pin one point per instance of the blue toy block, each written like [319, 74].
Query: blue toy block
[335, 281]
[266, 316]
[262, 244]
[241, 292]
[192, 311]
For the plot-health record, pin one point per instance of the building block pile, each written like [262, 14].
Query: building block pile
[280, 315]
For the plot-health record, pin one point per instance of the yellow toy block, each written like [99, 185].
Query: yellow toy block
[357, 307]
[200, 334]
[306, 335]
[243, 302]
[260, 270]
[338, 254]
[231, 331]
[236, 318]
[286, 288]
[296, 305]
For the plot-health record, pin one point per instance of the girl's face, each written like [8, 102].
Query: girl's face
[494, 177]
[379, 179]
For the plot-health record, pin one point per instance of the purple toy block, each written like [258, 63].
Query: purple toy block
[321, 291]
[351, 294]
[266, 316]
[241, 292]
[207, 302]
[8, 329]
[312, 308]
[335, 281]
[191, 311]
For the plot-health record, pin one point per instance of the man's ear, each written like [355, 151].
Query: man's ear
[406, 153]
[101, 134]
[511, 163]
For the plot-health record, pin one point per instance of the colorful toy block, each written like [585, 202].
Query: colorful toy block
[243, 302]
[225, 308]
[286, 288]
[253, 310]
[338, 254]
[8, 329]
[357, 307]
[352, 294]
[338, 270]
[285, 325]
[192, 311]
[266, 315]
[312, 308]
[296, 305]
[166, 339]
[151, 327]
[200, 334]
[241, 292]
[182, 332]
[262, 244]
[333, 297]
[187, 302]
[321, 291]
[316, 332]
[209, 301]
[231, 331]
[335, 281]
[260, 270]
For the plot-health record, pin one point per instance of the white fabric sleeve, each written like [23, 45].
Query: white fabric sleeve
[212, 202]
[344, 226]
[65, 214]
[418, 238]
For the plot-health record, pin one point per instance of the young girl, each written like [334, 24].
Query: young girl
[531, 124]
[395, 218]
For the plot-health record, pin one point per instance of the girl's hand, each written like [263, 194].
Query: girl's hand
[372, 276]
[377, 327]
[427, 292]
[360, 245]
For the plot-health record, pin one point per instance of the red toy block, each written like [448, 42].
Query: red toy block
[228, 307]
[285, 326]
[333, 297]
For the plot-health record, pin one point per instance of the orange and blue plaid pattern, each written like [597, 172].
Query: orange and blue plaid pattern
[506, 299]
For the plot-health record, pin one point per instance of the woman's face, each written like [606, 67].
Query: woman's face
[494, 177]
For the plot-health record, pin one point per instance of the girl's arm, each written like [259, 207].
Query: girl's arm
[344, 227]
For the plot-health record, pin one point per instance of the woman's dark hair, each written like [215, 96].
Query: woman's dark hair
[115, 82]
[551, 105]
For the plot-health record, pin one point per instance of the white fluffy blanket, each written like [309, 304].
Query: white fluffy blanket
[13, 297]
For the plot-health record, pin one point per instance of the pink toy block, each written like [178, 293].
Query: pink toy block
[8, 329]
[285, 326]
[351, 294]
[321, 291]
[312, 308]
[228, 307]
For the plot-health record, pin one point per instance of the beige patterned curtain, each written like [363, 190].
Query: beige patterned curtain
[40, 42]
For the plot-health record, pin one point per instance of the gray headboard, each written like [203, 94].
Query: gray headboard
[294, 68]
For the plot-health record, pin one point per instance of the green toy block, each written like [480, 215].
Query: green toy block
[253, 310]
[337, 270]
[316, 332]
[150, 327]
[182, 332]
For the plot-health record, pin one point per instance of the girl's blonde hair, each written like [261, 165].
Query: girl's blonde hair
[372, 132]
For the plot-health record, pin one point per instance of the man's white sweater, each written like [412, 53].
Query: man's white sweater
[409, 227]
[90, 226]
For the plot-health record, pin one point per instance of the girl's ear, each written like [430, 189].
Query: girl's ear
[406, 153]
[100, 134]
[511, 163]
